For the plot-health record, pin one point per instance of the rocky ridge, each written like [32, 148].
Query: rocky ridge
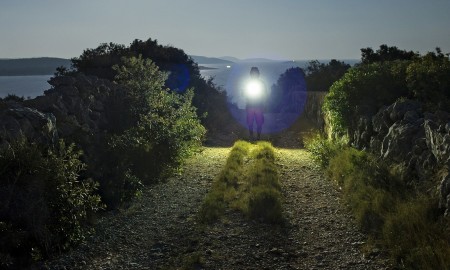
[418, 141]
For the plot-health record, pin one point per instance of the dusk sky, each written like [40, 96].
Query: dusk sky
[285, 29]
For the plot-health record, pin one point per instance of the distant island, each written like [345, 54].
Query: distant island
[209, 60]
[32, 66]
[205, 68]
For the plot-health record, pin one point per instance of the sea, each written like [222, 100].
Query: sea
[24, 86]
[228, 77]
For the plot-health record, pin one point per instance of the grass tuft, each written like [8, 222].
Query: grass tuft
[248, 183]
[404, 220]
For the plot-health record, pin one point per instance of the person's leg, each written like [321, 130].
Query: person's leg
[250, 120]
[259, 117]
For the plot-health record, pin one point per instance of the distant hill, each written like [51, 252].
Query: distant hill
[209, 60]
[31, 66]
[230, 58]
[250, 60]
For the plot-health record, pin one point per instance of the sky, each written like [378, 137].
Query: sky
[283, 29]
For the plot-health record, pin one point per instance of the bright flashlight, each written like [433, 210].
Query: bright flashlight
[254, 90]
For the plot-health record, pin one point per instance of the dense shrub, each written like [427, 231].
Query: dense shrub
[182, 73]
[362, 91]
[163, 129]
[428, 81]
[44, 203]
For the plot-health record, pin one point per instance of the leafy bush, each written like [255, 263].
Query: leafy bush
[44, 203]
[162, 129]
[182, 73]
[362, 91]
[167, 128]
[427, 79]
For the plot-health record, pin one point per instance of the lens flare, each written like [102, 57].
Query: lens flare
[254, 90]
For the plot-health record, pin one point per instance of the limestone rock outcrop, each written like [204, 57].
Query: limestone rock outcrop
[404, 134]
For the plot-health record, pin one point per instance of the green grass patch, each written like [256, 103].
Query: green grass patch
[249, 183]
[322, 150]
[404, 220]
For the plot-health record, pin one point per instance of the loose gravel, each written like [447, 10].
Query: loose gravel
[160, 230]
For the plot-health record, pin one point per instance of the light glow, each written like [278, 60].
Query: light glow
[254, 89]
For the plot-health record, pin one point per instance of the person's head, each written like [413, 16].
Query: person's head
[254, 72]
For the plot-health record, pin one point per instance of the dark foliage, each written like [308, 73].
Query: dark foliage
[44, 203]
[156, 129]
[320, 77]
[385, 53]
[289, 83]
[364, 89]
[183, 73]
[13, 97]
[429, 82]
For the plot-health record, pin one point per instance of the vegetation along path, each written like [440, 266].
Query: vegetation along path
[161, 229]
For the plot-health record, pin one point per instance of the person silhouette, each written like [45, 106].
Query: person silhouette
[256, 96]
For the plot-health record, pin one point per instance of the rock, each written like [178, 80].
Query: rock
[444, 192]
[397, 143]
[399, 109]
[438, 141]
[17, 120]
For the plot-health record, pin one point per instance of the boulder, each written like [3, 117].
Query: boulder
[17, 120]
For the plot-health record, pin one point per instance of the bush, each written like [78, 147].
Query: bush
[428, 81]
[182, 73]
[362, 91]
[161, 129]
[44, 203]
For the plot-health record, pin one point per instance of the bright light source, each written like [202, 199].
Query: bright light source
[254, 90]
[228, 66]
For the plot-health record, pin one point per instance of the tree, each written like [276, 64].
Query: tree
[320, 77]
[385, 53]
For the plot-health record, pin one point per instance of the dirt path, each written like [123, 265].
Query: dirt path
[160, 230]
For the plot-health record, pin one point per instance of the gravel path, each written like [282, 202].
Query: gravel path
[160, 230]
